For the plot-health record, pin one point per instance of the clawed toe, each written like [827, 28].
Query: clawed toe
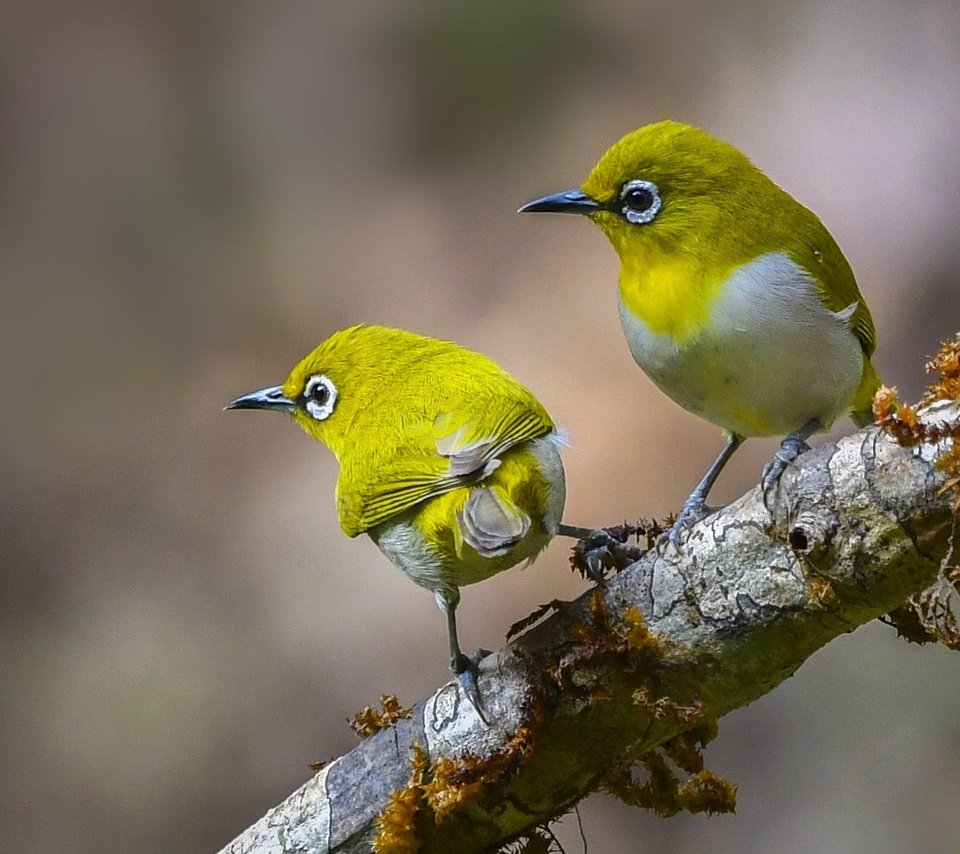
[773, 471]
[466, 669]
[600, 550]
[694, 509]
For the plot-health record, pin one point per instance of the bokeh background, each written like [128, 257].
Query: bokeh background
[193, 194]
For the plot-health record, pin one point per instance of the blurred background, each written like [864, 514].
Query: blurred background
[193, 194]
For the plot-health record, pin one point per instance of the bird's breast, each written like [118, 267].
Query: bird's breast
[763, 355]
[672, 296]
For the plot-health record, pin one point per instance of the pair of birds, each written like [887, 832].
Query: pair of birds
[734, 299]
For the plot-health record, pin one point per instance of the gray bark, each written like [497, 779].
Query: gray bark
[859, 526]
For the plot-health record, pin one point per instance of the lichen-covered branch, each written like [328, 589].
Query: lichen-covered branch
[676, 641]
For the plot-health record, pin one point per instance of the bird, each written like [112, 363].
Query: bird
[734, 298]
[446, 462]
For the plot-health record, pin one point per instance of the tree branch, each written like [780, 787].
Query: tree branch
[859, 527]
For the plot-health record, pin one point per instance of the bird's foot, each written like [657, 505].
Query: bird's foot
[694, 509]
[601, 549]
[466, 669]
[790, 448]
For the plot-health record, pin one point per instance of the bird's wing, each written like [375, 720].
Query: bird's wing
[490, 524]
[817, 252]
[430, 457]
[861, 320]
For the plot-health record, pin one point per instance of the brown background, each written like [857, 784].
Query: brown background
[196, 193]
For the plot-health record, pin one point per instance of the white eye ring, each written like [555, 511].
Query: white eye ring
[319, 397]
[644, 192]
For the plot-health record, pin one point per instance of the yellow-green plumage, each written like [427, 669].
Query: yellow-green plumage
[713, 200]
[719, 212]
[447, 463]
[522, 482]
[734, 298]
[404, 400]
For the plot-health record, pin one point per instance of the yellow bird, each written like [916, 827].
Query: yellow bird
[446, 462]
[734, 298]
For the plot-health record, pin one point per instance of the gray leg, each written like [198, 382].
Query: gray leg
[576, 532]
[448, 601]
[790, 448]
[695, 507]
[464, 667]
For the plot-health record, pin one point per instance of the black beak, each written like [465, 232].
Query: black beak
[569, 201]
[265, 398]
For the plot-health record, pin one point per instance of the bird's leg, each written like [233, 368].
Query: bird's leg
[599, 548]
[464, 667]
[695, 507]
[790, 448]
[577, 532]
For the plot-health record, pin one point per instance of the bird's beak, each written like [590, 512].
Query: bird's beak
[569, 201]
[266, 398]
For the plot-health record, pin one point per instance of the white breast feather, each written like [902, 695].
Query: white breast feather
[771, 357]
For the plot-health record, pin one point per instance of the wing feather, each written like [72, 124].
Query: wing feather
[434, 457]
[491, 525]
[814, 248]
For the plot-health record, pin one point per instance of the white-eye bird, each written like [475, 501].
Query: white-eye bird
[446, 462]
[734, 298]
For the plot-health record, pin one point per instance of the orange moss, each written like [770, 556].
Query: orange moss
[658, 793]
[397, 824]
[598, 608]
[708, 792]
[444, 796]
[946, 363]
[928, 617]
[639, 638]
[684, 751]
[903, 422]
[369, 720]
[435, 790]
[460, 780]
[703, 791]
[821, 589]
[597, 638]
[664, 707]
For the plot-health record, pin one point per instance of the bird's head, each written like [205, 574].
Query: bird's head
[325, 389]
[667, 188]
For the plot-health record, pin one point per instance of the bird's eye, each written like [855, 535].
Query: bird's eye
[640, 201]
[319, 396]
